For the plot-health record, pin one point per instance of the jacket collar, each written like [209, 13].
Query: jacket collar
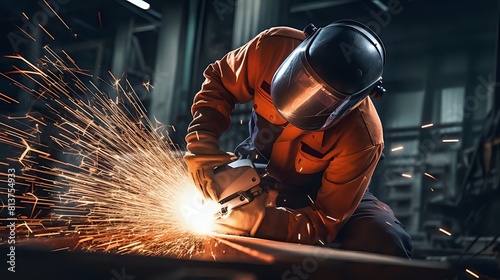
[291, 132]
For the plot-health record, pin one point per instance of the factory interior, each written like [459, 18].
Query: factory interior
[440, 116]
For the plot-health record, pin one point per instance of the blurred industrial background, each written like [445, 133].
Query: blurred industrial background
[440, 114]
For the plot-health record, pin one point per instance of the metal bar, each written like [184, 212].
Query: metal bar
[231, 255]
[146, 27]
[140, 54]
[266, 258]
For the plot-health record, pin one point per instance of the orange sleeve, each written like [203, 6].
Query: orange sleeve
[344, 183]
[229, 80]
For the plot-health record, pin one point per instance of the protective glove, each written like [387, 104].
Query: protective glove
[202, 157]
[244, 220]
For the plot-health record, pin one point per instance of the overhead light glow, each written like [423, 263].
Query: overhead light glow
[139, 3]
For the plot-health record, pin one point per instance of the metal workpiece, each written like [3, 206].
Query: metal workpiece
[222, 257]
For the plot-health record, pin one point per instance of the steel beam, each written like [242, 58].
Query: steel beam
[223, 257]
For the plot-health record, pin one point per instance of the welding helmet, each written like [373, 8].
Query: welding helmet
[328, 74]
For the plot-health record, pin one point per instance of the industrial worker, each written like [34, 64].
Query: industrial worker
[314, 125]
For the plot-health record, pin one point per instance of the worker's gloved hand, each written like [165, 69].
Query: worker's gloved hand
[202, 157]
[244, 220]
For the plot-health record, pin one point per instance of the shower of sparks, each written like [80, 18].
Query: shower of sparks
[445, 231]
[406, 175]
[450, 140]
[427, 125]
[111, 177]
[472, 273]
[399, 148]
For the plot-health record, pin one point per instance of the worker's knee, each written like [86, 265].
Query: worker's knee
[381, 234]
[390, 238]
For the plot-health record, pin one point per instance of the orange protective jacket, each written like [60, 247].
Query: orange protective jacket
[349, 151]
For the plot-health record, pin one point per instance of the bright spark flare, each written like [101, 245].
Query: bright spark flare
[147, 85]
[115, 180]
[427, 125]
[430, 176]
[406, 175]
[399, 148]
[472, 273]
[331, 218]
[445, 231]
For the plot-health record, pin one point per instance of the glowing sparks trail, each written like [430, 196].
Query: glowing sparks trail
[47, 32]
[427, 125]
[56, 14]
[430, 176]
[445, 231]
[472, 273]
[399, 148]
[110, 177]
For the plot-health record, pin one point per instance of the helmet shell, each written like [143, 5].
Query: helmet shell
[328, 74]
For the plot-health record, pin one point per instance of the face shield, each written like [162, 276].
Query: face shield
[304, 99]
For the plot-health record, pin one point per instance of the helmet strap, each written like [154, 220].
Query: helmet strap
[378, 91]
[309, 29]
